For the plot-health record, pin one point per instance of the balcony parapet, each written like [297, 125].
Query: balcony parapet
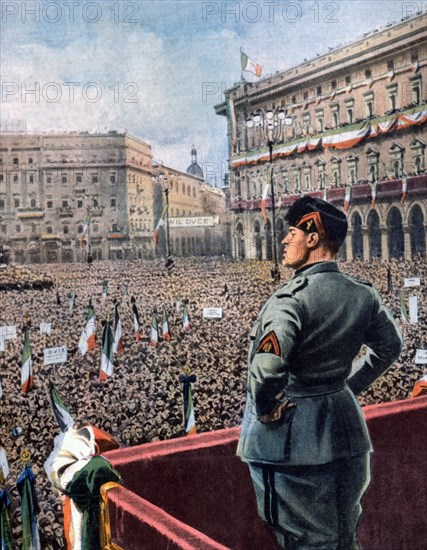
[30, 213]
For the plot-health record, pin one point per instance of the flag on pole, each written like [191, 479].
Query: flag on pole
[85, 230]
[186, 320]
[189, 418]
[118, 339]
[87, 340]
[6, 533]
[29, 510]
[403, 311]
[104, 290]
[60, 410]
[250, 65]
[73, 296]
[347, 198]
[136, 322]
[154, 340]
[159, 225]
[373, 194]
[165, 326]
[26, 364]
[107, 366]
[404, 189]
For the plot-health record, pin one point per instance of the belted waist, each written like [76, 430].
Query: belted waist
[294, 390]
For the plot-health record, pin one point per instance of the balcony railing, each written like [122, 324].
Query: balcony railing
[65, 212]
[30, 213]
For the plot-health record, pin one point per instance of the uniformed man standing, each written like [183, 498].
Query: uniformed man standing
[303, 434]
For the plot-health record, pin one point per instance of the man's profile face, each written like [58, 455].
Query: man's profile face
[295, 249]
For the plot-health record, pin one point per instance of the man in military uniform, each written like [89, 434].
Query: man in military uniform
[303, 434]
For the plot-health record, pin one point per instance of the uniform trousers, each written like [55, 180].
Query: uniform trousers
[312, 507]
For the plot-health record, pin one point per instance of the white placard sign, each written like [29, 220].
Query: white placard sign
[201, 221]
[8, 332]
[45, 328]
[421, 357]
[55, 355]
[413, 309]
[412, 281]
[212, 312]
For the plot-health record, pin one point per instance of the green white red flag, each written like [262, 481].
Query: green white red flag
[404, 189]
[347, 198]
[189, 417]
[373, 195]
[7, 542]
[250, 65]
[87, 340]
[159, 225]
[118, 338]
[104, 290]
[136, 323]
[186, 320]
[154, 339]
[165, 326]
[264, 201]
[107, 365]
[85, 231]
[60, 410]
[26, 364]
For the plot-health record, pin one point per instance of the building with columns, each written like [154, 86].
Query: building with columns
[50, 184]
[347, 124]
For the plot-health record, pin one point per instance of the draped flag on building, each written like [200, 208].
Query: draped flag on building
[60, 410]
[85, 232]
[29, 510]
[264, 202]
[404, 189]
[87, 340]
[159, 225]
[26, 364]
[189, 418]
[165, 326]
[250, 65]
[186, 320]
[118, 338]
[154, 338]
[136, 323]
[107, 365]
[373, 194]
[73, 296]
[6, 533]
[347, 198]
[233, 122]
[403, 310]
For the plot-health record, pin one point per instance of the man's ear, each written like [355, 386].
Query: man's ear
[312, 240]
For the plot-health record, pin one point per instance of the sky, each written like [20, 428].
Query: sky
[157, 68]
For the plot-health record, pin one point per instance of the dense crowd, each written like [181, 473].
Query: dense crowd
[142, 401]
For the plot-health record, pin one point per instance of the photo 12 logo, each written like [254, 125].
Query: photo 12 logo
[54, 92]
[69, 11]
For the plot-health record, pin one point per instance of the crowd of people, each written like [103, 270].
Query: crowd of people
[142, 401]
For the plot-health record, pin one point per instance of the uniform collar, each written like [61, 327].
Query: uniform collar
[318, 267]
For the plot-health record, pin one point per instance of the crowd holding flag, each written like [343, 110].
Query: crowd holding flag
[159, 225]
[107, 365]
[249, 65]
[154, 338]
[165, 326]
[347, 198]
[5, 523]
[136, 323]
[118, 337]
[60, 410]
[186, 320]
[26, 364]
[87, 340]
[189, 417]
[29, 510]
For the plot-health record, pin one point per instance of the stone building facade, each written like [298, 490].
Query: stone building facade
[349, 123]
[51, 183]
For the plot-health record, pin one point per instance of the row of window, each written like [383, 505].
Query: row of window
[65, 204]
[65, 229]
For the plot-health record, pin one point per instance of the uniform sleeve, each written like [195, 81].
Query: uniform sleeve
[272, 347]
[384, 342]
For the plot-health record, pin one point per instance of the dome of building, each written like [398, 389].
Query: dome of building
[194, 169]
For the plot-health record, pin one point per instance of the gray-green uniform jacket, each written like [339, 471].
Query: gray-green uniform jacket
[304, 342]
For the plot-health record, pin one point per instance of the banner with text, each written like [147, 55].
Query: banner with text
[212, 312]
[55, 355]
[202, 221]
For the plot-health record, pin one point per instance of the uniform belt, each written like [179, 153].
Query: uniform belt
[294, 390]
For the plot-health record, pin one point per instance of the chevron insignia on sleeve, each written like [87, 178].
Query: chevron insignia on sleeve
[269, 344]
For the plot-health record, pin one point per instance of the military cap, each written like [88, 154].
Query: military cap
[314, 215]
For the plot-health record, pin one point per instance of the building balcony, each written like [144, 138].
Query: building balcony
[115, 235]
[30, 213]
[65, 212]
[51, 237]
[96, 212]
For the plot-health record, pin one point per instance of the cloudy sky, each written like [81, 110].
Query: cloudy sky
[157, 67]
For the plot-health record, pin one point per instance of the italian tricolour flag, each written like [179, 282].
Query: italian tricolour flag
[154, 331]
[26, 364]
[87, 340]
[165, 326]
[107, 366]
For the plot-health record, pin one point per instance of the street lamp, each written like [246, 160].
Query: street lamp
[165, 186]
[271, 124]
